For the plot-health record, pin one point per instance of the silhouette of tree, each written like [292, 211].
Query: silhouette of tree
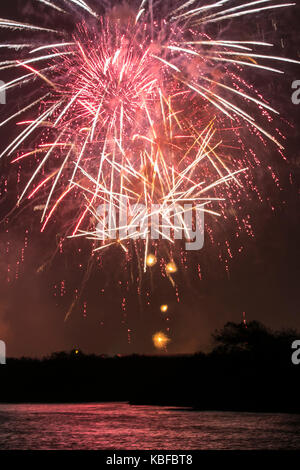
[254, 337]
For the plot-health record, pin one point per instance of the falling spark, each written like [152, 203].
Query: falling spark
[171, 268]
[164, 308]
[151, 260]
[160, 340]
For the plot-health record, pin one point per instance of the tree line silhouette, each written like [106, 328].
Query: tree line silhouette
[249, 368]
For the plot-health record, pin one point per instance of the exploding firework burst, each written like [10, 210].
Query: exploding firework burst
[147, 102]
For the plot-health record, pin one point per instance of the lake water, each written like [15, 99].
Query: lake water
[121, 426]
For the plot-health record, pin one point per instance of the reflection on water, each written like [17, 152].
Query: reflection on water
[121, 426]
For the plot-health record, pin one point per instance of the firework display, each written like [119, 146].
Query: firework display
[141, 109]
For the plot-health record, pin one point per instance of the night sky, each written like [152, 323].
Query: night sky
[262, 281]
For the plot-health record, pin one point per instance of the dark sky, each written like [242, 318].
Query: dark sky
[263, 280]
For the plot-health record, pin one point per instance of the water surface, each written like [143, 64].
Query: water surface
[121, 426]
